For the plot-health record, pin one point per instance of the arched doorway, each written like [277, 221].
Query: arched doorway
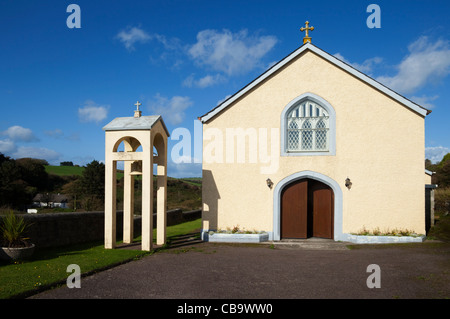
[307, 210]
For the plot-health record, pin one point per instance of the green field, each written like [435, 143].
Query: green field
[64, 170]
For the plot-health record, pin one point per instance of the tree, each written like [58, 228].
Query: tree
[443, 175]
[66, 164]
[73, 190]
[93, 179]
[8, 174]
[444, 160]
[22, 179]
[33, 172]
[92, 185]
[442, 169]
[14, 191]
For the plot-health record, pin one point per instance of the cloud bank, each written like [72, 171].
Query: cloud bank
[171, 109]
[426, 62]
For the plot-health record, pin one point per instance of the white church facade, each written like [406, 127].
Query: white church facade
[314, 148]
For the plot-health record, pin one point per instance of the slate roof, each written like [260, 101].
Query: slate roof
[330, 58]
[134, 123]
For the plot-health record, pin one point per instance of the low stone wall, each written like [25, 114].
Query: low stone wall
[61, 229]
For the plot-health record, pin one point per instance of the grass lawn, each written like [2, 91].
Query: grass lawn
[48, 266]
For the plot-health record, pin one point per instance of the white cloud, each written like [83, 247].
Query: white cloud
[436, 153]
[365, 67]
[19, 133]
[91, 112]
[172, 110]
[169, 44]
[37, 152]
[424, 100]
[426, 62]
[206, 81]
[231, 53]
[130, 36]
[7, 147]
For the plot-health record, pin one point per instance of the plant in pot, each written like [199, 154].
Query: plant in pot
[14, 246]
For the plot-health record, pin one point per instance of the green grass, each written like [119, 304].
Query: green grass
[196, 181]
[48, 266]
[64, 170]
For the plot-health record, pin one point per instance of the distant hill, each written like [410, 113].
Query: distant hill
[184, 193]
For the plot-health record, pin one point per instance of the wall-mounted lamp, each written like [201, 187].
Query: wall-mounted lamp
[348, 183]
[269, 183]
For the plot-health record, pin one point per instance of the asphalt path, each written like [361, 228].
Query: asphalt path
[260, 272]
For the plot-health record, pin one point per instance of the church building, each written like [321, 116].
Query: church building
[314, 148]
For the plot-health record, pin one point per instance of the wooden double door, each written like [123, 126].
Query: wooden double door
[307, 210]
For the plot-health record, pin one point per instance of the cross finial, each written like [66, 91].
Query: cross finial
[137, 105]
[306, 28]
[137, 112]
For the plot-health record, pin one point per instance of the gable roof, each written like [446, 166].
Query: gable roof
[134, 123]
[330, 58]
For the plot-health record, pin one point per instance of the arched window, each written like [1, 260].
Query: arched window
[308, 128]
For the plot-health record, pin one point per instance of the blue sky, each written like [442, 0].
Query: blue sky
[59, 86]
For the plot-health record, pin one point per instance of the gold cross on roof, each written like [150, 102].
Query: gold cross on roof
[306, 28]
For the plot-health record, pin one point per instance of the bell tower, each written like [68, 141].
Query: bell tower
[146, 133]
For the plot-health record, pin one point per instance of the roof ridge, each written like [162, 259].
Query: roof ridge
[332, 59]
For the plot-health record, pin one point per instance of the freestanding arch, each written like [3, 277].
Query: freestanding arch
[147, 132]
[338, 209]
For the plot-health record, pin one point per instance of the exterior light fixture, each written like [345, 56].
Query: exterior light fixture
[269, 183]
[348, 183]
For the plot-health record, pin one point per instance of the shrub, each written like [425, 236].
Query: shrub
[378, 232]
[13, 229]
[442, 200]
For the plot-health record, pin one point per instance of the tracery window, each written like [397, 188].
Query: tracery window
[308, 125]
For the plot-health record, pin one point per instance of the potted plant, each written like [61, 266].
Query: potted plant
[14, 246]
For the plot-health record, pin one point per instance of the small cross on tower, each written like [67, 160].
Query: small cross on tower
[306, 28]
[137, 112]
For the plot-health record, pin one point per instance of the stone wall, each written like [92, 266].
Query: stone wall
[61, 229]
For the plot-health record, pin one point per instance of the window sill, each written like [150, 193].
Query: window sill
[311, 153]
